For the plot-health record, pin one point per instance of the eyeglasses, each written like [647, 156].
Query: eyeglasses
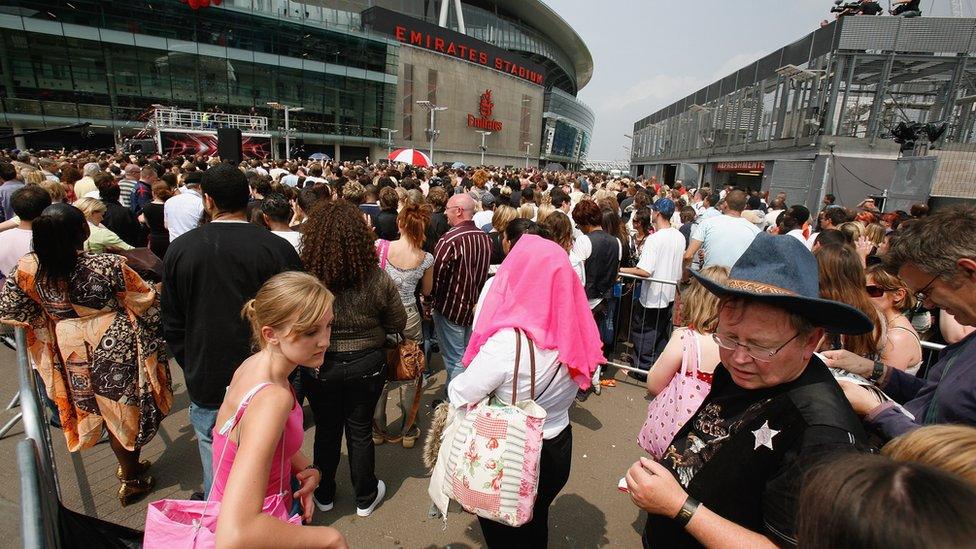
[875, 291]
[762, 354]
[923, 294]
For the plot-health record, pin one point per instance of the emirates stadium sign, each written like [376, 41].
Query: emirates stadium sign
[485, 121]
[420, 34]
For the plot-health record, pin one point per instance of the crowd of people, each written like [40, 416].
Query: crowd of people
[779, 347]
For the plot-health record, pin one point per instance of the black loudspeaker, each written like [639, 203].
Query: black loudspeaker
[229, 145]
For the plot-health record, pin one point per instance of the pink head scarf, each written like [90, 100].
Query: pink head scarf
[537, 291]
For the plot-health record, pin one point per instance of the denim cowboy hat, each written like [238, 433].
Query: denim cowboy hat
[780, 271]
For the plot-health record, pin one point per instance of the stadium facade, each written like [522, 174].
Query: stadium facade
[357, 70]
[821, 116]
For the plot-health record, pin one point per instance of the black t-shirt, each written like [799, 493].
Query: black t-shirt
[154, 218]
[686, 231]
[209, 273]
[871, 8]
[121, 221]
[914, 5]
[435, 230]
[744, 452]
[386, 225]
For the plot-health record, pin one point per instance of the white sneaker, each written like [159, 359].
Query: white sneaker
[596, 380]
[322, 506]
[380, 492]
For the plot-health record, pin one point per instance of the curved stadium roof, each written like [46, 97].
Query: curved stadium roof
[540, 16]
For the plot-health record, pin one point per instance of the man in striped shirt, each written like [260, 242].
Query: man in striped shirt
[460, 269]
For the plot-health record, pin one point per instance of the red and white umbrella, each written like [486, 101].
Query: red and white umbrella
[409, 156]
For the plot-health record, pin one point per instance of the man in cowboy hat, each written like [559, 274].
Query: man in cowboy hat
[733, 471]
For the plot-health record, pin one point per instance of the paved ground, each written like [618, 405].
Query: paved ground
[590, 511]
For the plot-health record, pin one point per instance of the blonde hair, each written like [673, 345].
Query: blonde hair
[951, 448]
[55, 189]
[502, 216]
[89, 206]
[543, 212]
[32, 177]
[875, 233]
[289, 297]
[852, 230]
[699, 307]
[526, 211]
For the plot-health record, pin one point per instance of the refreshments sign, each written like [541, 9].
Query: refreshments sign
[740, 166]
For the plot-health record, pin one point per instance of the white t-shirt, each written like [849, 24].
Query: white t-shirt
[771, 217]
[661, 256]
[483, 218]
[14, 244]
[724, 239]
[293, 237]
[182, 213]
[798, 234]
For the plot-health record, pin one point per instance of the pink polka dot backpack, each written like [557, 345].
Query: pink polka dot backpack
[675, 405]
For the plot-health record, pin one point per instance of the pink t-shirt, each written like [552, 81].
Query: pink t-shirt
[14, 244]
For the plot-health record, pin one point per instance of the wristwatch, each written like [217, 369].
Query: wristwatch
[876, 372]
[313, 466]
[687, 511]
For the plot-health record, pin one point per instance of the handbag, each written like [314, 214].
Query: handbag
[675, 405]
[405, 360]
[179, 524]
[492, 459]
[144, 262]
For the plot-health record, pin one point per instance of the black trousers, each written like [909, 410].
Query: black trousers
[650, 330]
[557, 456]
[342, 398]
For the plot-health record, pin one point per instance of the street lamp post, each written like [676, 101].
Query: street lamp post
[527, 145]
[389, 140]
[433, 132]
[484, 134]
[278, 106]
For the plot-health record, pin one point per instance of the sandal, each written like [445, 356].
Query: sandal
[143, 468]
[608, 382]
[134, 489]
[411, 437]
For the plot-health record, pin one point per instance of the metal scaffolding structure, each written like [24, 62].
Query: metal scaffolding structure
[842, 89]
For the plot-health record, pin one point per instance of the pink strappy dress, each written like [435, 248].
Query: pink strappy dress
[279, 478]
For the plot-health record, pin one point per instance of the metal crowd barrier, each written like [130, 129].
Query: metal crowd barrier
[634, 330]
[623, 320]
[39, 489]
[930, 354]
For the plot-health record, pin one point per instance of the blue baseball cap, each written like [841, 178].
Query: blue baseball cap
[665, 206]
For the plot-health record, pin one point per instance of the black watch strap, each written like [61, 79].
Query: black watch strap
[877, 372]
[687, 511]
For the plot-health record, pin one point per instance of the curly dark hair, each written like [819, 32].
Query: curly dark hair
[337, 246]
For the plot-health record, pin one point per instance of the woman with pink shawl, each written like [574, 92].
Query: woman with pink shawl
[537, 292]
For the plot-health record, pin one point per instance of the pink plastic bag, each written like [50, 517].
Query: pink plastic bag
[675, 405]
[186, 524]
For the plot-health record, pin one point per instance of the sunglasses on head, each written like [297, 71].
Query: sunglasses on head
[875, 291]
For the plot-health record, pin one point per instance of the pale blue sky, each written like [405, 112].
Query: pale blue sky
[650, 53]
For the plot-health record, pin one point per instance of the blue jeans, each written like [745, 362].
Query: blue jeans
[203, 420]
[453, 340]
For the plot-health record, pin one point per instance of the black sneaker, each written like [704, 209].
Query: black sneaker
[197, 496]
[582, 395]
